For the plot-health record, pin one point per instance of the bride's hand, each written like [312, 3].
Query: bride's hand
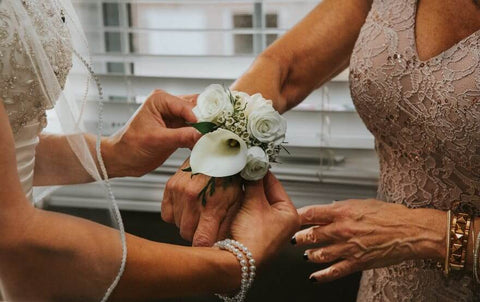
[267, 218]
[154, 132]
[364, 234]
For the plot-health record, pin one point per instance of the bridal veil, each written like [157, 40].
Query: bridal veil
[67, 101]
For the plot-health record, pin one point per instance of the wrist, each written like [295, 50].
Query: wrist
[111, 155]
[247, 264]
[230, 268]
[431, 233]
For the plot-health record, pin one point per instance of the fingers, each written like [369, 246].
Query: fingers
[191, 98]
[207, 230]
[189, 221]
[175, 106]
[185, 137]
[274, 190]
[318, 214]
[227, 222]
[335, 271]
[167, 207]
[314, 235]
[329, 253]
[254, 190]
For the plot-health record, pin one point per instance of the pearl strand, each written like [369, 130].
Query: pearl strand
[103, 172]
[247, 263]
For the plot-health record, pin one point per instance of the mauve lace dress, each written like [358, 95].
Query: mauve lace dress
[425, 116]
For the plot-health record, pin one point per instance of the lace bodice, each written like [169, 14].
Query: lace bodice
[20, 88]
[425, 116]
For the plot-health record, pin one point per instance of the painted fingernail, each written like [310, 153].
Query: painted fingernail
[305, 256]
[313, 280]
[293, 241]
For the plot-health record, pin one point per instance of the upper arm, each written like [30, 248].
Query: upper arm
[14, 207]
[8, 163]
[318, 47]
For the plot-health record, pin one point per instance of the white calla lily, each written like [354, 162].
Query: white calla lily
[220, 153]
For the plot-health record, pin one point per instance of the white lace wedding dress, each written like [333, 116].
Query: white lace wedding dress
[41, 41]
[20, 89]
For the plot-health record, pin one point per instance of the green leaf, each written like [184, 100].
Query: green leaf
[204, 127]
[187, 169]
[212, 186]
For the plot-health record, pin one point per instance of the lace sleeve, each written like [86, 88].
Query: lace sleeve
[19, 87]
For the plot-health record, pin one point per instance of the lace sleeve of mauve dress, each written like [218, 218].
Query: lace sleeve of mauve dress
[425, 116]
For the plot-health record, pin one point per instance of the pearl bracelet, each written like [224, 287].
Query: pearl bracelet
[246, 262]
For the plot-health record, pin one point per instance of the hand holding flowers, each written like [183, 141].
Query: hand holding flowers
[242, 135]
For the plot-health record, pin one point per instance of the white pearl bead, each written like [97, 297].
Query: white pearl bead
[252, 268]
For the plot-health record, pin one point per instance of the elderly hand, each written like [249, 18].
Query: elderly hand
[202, 224]
[155, 131]
[362, 234]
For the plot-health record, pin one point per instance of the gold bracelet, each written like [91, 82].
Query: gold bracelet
[459, 233]
[446, 267]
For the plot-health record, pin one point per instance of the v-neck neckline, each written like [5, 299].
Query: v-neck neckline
[442, 53]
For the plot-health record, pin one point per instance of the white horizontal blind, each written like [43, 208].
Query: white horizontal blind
[182, 46]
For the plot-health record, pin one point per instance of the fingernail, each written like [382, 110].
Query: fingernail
[313, 280]
[293, 241]
[305, 256]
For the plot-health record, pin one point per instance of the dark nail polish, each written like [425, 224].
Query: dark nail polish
[305, 256]
[313, 280]
[293, 241]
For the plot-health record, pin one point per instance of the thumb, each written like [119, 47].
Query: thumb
[185, 137]
[254, 191]
[275, 192]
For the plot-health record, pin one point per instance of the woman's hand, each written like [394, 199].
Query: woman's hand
[266, 219]
[156, 130]
[364, 234]
[204, 225]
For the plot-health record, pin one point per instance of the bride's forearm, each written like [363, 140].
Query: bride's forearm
[57, 164]
[70, 257]
[162, 271]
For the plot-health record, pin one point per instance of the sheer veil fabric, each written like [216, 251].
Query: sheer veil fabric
[32, 25]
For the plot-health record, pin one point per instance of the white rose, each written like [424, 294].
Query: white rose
[212, 103]
[257, 164]
[258, 103]
[267, 126]
[241, 99]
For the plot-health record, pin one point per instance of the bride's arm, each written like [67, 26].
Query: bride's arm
[314, 51]
[155, 131]
[47, 256]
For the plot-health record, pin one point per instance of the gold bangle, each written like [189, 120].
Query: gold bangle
[459, 233]
[446, 267]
